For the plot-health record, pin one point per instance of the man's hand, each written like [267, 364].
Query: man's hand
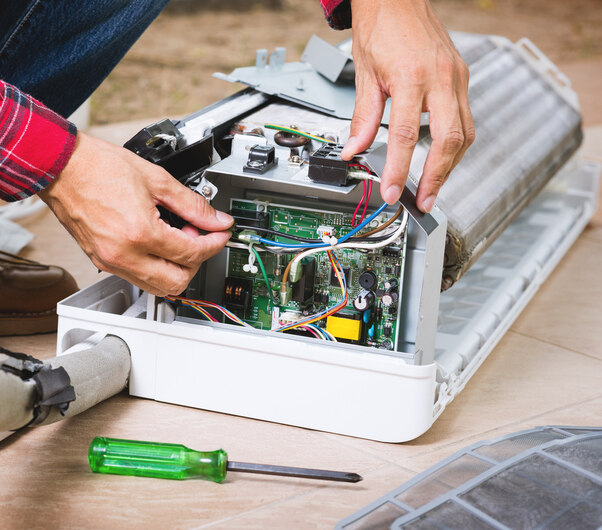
[401, 50]
[106, 197]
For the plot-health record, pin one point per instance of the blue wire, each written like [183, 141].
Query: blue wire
[319, 330]
[322, 245]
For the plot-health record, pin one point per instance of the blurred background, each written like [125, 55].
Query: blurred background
[168, 72]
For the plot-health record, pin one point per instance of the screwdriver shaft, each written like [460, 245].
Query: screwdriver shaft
[299, 472]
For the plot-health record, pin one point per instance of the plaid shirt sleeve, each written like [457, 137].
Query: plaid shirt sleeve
[35, 144]
[338, 13]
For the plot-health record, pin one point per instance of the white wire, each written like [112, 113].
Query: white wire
[368, 246]
[332, 337]
[362, 175]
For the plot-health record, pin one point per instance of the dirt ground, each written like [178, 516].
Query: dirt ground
[168, 71]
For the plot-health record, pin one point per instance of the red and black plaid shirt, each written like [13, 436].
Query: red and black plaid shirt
[36, 143]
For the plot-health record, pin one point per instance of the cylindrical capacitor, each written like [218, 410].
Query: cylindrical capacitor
[390, 298]
[391, 284]
[364, 300]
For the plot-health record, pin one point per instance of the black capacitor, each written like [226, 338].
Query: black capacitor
[368, 280]
[390, 298]
[391, 284]
[363, 301]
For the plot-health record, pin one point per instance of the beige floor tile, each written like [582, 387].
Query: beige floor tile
[584, 414]
[592, 142]
[593, 231]
[566, 310]
[321, 508]
[45, 472]
[522, 377]
[586, 79]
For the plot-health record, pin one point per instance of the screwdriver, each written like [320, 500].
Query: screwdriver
[175, 461]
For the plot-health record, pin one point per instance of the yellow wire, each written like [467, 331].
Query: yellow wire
[295, 131]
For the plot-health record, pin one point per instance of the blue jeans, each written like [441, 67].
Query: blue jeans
[59, 51]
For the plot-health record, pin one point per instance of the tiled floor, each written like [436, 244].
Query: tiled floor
[546, 370]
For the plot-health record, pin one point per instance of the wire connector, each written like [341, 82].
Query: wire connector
[250, 266]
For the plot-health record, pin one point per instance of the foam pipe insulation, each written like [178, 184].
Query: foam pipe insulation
[33, 392]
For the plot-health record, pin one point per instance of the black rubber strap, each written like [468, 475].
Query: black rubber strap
[20, 364]
[53, 385]
[54, 389]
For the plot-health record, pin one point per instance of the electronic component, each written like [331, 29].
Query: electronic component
[251, 218]
[368, 280]
[334, 281]
[344, 327]
[261, 158]
[391, 284]
[311, 285]
[363, 301]
[237, 293]
[321, 298]
[327, 167]
[161, 143]
[391, 252]
[325, 231]
[289, 139]
[390, 298]
[304, 288]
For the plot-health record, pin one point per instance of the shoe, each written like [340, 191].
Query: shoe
[29, 292]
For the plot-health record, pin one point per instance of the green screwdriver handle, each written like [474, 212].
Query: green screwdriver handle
[149, 459]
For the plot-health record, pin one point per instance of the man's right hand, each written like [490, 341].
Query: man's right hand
[106, 197]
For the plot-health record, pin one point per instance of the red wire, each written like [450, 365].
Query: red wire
[359, 204]
[366, 203]
[369, 188]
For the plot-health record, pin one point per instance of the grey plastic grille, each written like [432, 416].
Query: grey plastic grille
[547, 477]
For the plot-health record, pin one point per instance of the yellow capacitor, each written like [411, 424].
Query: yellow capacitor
[344, 328]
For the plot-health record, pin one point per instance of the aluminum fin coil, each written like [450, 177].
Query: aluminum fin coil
[527, 126]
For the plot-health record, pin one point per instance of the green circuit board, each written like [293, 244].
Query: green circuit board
[317, 289]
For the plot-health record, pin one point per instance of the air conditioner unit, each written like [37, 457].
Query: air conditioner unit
[421, 301]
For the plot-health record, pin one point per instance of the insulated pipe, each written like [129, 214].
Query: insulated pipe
[95, 374]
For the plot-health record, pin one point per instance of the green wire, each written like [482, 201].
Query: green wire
[265, 275]
[298, 133]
